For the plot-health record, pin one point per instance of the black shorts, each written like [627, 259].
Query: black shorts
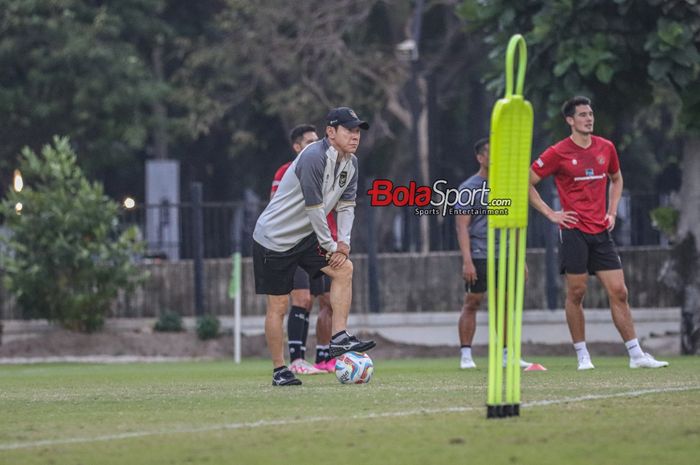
[481, 284]
[580, 252]
[316, 286]
[274, 271]
[301, 279]
[320, 285]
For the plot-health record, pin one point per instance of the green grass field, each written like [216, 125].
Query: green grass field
[419, 411]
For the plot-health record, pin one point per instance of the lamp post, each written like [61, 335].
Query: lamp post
[17, 185]
[409, 51]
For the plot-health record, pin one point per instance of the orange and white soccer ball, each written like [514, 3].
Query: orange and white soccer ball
[354, 368]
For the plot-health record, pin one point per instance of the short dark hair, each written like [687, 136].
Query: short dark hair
[298, 132]
[480, 144]
[569, 107]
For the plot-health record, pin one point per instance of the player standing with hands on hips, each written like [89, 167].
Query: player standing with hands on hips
[582, 164]
[293, 231]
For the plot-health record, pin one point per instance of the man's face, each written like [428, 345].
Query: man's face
[345, 140]
[582, 121]
[483, 156]
[306, 139]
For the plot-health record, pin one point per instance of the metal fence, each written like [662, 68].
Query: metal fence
[171, 234]
[174, 237]
[389, 229]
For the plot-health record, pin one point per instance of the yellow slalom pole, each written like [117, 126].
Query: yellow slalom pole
[509, 323]
[518, 320]
[491, 284]
[510, 146]
[500, 316]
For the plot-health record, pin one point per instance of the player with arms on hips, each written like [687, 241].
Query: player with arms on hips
[293, 231]
[301, 296]
[471, 235]
[581, 165]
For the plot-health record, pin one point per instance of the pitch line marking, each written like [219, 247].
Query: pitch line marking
[285, 422]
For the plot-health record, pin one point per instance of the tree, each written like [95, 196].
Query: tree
[100, 72]
[66, 258]
[296, 63]
[627, 55]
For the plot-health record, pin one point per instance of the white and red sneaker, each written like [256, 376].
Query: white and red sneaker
[302, 367]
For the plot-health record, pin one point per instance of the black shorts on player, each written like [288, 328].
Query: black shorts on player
[581, 253]
[481, 284]
[320, 285]
[274, 271]
[301, 279]
[317, 286]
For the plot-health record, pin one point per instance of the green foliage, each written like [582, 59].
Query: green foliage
[90, 70]
[268, 62]
[665, 219]
[637, 60]
[616, 51]
[219, 83]
[208, 327]
[169, 322]
[66, 259]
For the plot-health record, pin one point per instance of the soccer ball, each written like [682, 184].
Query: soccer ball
[354, 368]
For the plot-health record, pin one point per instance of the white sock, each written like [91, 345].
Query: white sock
[466, 352]
[581, 350]
[505, 353]
[634, 349]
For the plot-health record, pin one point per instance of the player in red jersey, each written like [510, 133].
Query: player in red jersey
[305, 289]
[581, 165]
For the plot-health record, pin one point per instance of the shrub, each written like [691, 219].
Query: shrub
[65, 258]
[208, 327]
[665, 219]
[169, 322]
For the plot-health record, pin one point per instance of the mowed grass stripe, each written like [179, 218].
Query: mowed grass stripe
[286, 422]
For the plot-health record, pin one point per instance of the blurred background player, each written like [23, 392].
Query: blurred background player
[581, 165]
[301, 296]
[471, 235]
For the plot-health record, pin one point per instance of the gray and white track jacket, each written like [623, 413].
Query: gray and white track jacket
[315, 183]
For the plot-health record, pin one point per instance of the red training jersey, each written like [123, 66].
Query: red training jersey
[276, 182]
[581, 176]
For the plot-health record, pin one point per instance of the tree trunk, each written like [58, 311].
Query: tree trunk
[686, 256]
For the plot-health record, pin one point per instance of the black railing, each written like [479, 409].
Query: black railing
[170, 232]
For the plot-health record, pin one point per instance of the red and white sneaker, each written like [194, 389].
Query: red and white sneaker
[302, 367]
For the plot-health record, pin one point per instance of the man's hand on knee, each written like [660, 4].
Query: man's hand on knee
[337, 259]
[343, 248]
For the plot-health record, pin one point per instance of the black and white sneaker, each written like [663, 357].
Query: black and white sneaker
[349, 344]
[285, 377]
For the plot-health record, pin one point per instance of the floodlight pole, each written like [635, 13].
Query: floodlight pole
[415, 105]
